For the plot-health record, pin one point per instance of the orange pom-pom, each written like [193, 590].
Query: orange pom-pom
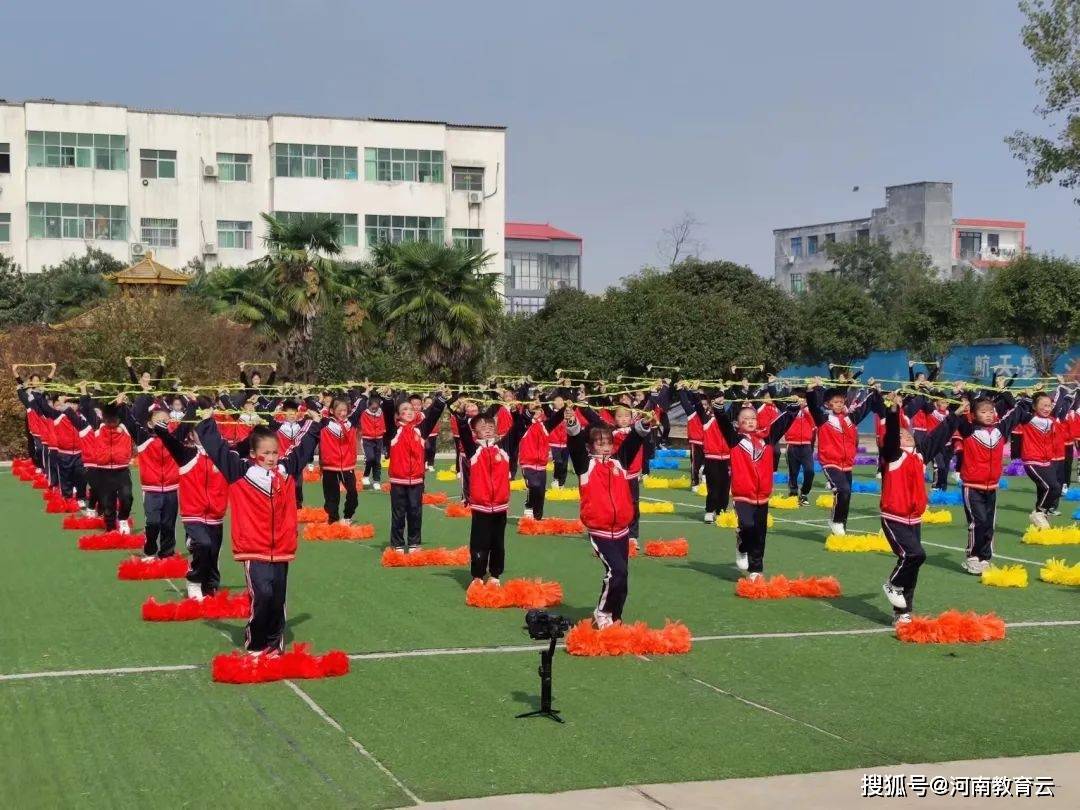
[394, 558]
[311, 514]
[158, 568]
[338, 531]
[108, 541]
[780, 587]
[952, 627]
[628, 639]
[219, 606]
[458, 510]
[434, 498]
[667, 548]
[521, 593]
[633, 552]
[549, 526]
[238, 667]
[311, 476]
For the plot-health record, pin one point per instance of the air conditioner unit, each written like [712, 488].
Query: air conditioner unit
[476, 197]
[209, 170]
[209, 249]
[138, 249]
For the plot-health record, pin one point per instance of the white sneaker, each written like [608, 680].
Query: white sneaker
[1039, 519]
[984, 565]
[147, 558]
[494, 581]
[837, 528]
[376, 486]
[973, 566]
[528, 513]
[82, 504]
[557, 485]
[345, 522]
[742, 562]
[755, 577]
[956, 477]
[902, 618]
[602, 619]
[895, 596]
[634, 544]
[311, 467]
[367, 481]
[123, 526]
[88, 512]
[477, 581]
[194, 591]
[1064, 489]
[710, 517]
[878, 476]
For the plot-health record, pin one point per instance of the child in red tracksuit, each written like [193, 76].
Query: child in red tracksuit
[717, 454]
[752, 451]
[903, 500]
[262, 503]
[1041, 447]
[372, 429]
[800, 453]
[532, 431]
[489, 495]
[204, 497]
[159, 477]
[607, 507]
[108, 443]
[405, 438]
[337, 457]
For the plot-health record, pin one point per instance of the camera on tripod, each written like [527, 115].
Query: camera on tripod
[543, 625]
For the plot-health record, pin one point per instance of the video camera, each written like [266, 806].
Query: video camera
[543, 625]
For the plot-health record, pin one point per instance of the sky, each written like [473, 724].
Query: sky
[622, 116]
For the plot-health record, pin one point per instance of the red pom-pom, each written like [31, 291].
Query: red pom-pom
[219, 606]
[338, 531]
[393, 558]
[55, 503]
[667, 548]
[780, 587]
[311, 476]
[40, 481]
[520, 593]
[458, 510]
[109, 541]
[628, 639]
[157, 568]
[434, 498]
[311, 514]
[238, 667]
[83, 523]
[549, 526]
[952, 627]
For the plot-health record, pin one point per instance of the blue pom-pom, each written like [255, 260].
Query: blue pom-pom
[779, 477]
[1003, 483]
[664, 464]
[1073, 494]
[817, 467]
[1076, 515]
[672, 452]
[868, 487]
[945, 498]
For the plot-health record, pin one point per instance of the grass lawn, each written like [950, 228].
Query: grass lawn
[398, 729]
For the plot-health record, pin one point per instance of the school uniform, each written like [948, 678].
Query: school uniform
[489, 500]
[337, 458]
[372, 428]
[111, 448]
[533, 444]
[838, 441]
[407, 468]
[159, 479]
[716, 453]
[800, 453]
[1042, 441]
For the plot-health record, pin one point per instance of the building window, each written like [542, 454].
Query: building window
[350, 230]
[158, 232]
[386, 228]
[862, 236]
[970, 244]
[315, 160]
[77, 221]
[541, 271]
[234, 167]
[76, 149]
[811, 245]
[5, 158]
[798, 282]
[232, 233]
[830, 238]
[157, 163]
[796, 246]
[5, 227]
[525, 304]
[413, 165]
[467, 178]
[471, 238]
[993, 244]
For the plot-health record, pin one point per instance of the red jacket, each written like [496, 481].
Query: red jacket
[918, 423]
[983, 451]
[110, 447]
[633, 472]
[407, 447]
[752, 468]
[607, 508]
[535, 447]
[1039, 444]
[903, 488]
[694, 433]
[802, 429]
[557, 436]
[504, 420]
[714, 444]
[838, 439]
[372, 424]
[157, 468]
[489, 478]
[67, 436]
[204, 492]
[337, 445]
[288, 434]
[766, 415]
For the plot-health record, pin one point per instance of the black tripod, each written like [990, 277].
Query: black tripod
[545, 710]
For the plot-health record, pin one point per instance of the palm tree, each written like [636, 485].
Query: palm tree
[440, 298]
[242, 295]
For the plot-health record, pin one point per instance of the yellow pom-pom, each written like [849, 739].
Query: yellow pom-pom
[446, 475]
[656, 507]
[1005, 576]
[856, 542]
[386, 464]
[1060, 572]
[550, 466]
[517, 485]
[729, 520]
[937, 516]
[1066, 535]
[784, 502]
[825, 501]
[567, 494]
[655, 482]
[700, 490]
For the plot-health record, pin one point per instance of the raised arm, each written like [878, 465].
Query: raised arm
[727, 430]
[935, 440]
[181, 452]
[432, 414]
[465, 434]
[890, 446]
[302, 452]
[871, 403]
[639, 434]
[781, 424]
[227, 460]
[815, 403]
[575, 444]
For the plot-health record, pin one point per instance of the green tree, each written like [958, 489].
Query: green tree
[934, 317]
[440, 299]
[1035, 300]
[1052, 35]
[838, 320]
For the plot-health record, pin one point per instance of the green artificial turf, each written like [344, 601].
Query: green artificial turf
[444, 725]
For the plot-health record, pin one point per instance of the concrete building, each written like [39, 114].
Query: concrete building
[539, 259]
[916, 216]
[187, 185]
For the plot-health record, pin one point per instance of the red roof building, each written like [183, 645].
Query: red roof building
[540, 258]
